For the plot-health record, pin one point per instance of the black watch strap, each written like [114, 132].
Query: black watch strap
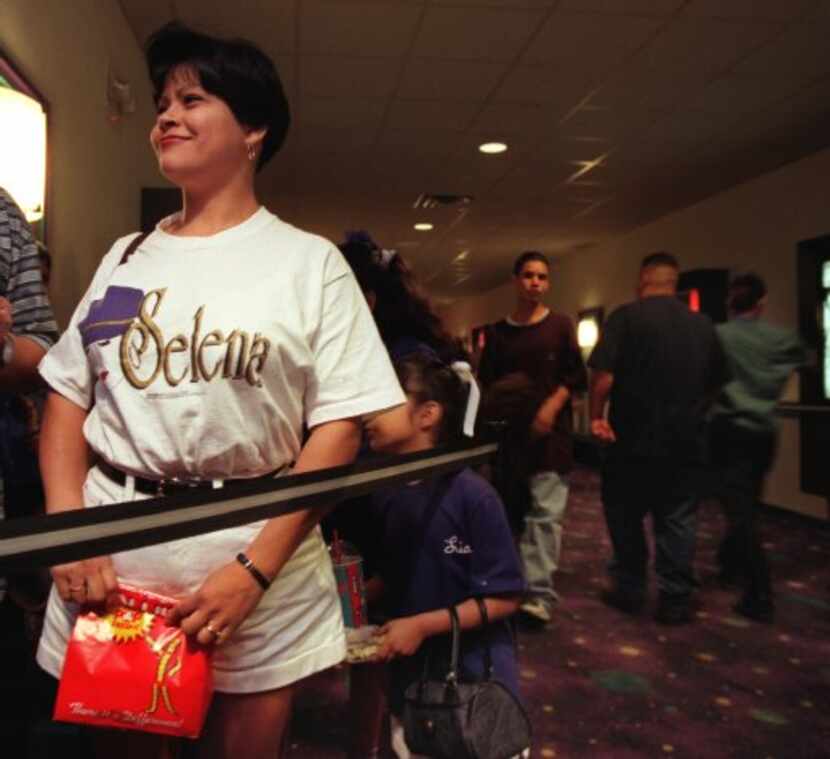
[261, 579]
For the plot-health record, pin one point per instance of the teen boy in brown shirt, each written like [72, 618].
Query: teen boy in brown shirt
[542, 345]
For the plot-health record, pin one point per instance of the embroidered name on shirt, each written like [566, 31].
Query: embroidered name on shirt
[243, 356]
[454, 545]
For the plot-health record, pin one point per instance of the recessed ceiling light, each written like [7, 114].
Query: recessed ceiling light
[492, 148]
[423, 226]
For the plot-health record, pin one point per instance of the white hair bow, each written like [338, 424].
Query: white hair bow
[385, 257]
[465, 374]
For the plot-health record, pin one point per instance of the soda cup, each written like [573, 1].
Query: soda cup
[348, 571]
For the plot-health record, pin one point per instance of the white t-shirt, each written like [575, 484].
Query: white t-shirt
[204, 356]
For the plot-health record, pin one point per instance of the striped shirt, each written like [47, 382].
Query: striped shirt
[22, 285]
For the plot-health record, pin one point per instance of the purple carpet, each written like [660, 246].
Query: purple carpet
[601, 684]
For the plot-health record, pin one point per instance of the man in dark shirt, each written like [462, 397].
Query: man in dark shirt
[662, 365]
[743, 434]
[540, 344]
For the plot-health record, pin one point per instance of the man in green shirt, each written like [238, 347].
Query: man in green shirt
[743, 435]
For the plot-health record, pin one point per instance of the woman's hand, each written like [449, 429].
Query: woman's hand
[401, 637]
[212, 613]
[91, 581]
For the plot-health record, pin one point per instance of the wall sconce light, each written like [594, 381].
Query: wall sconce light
[23, 150]
[588, 326]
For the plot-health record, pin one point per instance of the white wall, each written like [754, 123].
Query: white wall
[754, 225]
[96, 168]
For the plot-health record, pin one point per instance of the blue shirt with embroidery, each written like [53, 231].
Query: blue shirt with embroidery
[444, 540]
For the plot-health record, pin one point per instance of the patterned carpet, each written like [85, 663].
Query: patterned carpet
[600, 684]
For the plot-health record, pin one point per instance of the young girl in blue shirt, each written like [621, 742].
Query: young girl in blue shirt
[445, 542]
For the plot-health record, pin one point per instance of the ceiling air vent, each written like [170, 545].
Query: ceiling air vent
[434, 200]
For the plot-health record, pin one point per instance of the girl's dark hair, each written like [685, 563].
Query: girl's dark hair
[401, 310]
[427, 379]
[236, 71]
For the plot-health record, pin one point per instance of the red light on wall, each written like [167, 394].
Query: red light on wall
[694, 300]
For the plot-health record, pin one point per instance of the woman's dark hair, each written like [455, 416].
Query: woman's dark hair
[400, 311]
[236, 71]
[427, 379]
[745, 291]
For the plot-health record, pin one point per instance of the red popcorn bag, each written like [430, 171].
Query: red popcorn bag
[129, 669]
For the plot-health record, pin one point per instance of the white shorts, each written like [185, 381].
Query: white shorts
[295, 631]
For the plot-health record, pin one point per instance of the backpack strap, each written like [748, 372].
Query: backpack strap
[133, 246]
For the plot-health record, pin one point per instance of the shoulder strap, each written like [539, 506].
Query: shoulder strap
[133, 246]
[485, 623]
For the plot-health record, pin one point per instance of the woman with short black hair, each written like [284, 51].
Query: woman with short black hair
[200, 355]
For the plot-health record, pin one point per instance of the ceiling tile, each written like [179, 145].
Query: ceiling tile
[707, 46]
[749, 9]
[449, 80]
[347, 113]
[145, 16]
[638, 86]
[480, 34]
[505, 119]
[625, 7]
[270, 25]
[737, 95]
[527, 183]
[430, 114]
[560, 88]
[511, 4]
[417, 142]
[341, 75]
[607, 125]
[316, 143]
[802, 50]
[590, 43]
[357, 28]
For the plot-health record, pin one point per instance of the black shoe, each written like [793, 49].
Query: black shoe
[673, 612]
[627, 603]
[756, 609]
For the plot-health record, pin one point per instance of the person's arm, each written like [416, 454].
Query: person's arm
[548, 412]
[603, 362]
[573, 378]
[487, 369]
[601, 384]
[27, 324]
[20, 373]
[404, 636]
[64, 461]
[229, 594]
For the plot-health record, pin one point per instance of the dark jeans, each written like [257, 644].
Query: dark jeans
[633, 487]
[740, 459]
